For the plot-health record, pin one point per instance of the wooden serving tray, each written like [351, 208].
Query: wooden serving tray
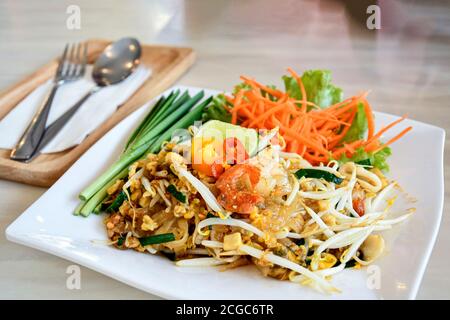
[167, 64]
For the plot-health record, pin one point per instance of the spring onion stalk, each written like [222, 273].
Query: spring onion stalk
[166, 105]
[150, 123]
[101, 194]
[98, 208]
[114, 170]
[77, 210]
[184, 122]
[131, 153]
[166, 123]
[145, 122]
[173, 107]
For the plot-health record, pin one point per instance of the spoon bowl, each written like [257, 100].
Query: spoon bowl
[117, 62]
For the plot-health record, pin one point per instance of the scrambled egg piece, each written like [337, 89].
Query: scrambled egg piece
[232, 241]
[148, 224]
[116, 186]
[327, 261]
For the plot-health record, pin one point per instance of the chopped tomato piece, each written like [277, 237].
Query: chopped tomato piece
[236, 186]
[207, 157]
[358, 206]
[234, 151]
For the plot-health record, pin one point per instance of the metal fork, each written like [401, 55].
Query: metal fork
[72, 66]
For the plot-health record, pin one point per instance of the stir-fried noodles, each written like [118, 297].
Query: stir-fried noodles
[292, 220]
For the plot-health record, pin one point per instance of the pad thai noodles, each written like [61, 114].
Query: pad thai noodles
[292, 182]
[275, 210]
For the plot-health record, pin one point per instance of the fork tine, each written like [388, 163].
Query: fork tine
[61, 61]
[73, 61]
[77, 62]
[84, 59]
[66, 66]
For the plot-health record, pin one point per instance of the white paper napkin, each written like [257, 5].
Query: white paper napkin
[92, 113]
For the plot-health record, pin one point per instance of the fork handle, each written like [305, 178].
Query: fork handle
[30, 139]
[53, 129]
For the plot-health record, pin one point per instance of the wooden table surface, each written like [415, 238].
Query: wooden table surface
[406, 64]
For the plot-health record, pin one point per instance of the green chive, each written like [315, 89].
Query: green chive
[158, 238]
[365, 162]
[350, 264]
[120, 241]
[176, 194]
[318, 174]
[114, 206]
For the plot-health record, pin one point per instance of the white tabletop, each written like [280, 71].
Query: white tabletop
[406, 64]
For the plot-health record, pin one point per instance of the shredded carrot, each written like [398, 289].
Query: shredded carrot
[401, 134]
[387, 128]
[314, 133]
[370, 120]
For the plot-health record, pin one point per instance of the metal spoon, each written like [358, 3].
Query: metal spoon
[116, 63]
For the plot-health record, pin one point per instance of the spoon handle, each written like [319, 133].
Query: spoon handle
[53, 129]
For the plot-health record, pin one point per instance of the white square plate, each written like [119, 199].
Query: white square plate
[49, 225]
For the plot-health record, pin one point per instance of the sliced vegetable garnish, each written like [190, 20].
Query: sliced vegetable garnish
[299, 242]
[207, 156]
[114, 206]
[365, 162]
[234, 151]
[311, 117]
[359, 125]
[318, 88]
[350, 264]
[318, 174]
[359, 206]
[220, 131]
[156, 239]
[120, 241]
[176, 194]
[375, 159]
[217, 110]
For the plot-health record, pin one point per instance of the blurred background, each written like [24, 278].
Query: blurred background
[406, 64]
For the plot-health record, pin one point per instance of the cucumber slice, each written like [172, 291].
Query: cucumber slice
[221, 130]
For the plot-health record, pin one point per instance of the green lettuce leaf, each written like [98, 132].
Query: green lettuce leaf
[241, 86]
[318, 87]
[216, 110]
[377, 160]
[244, 86]
[358, 128]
